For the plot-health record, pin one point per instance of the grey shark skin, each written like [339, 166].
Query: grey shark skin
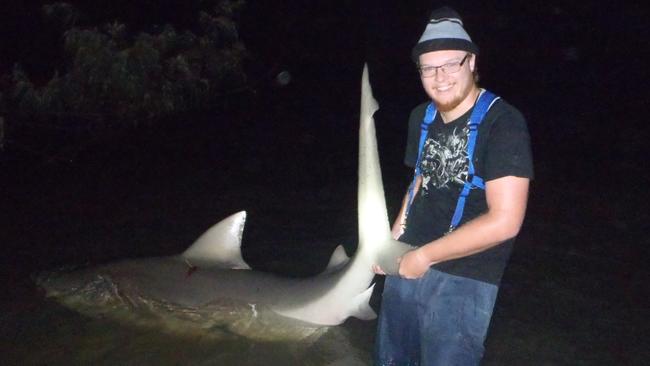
[210, 279]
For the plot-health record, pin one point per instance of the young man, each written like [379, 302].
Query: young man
[437, 311]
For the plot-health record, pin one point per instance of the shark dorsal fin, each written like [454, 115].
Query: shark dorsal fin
[338, 259]
[220, 246]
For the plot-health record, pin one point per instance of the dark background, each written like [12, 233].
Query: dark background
[576, 290]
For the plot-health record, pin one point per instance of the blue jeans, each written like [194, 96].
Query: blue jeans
[437, 320]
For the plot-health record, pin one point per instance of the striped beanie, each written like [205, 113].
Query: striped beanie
[444, 32]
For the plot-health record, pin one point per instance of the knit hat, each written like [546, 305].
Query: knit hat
[444, 32]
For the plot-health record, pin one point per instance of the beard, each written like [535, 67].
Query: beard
[446, 106]
[449, 104]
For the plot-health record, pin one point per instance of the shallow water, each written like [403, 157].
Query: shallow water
[42, 332]
[575, 292]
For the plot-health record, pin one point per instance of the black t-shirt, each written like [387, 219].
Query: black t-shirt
[502, 149]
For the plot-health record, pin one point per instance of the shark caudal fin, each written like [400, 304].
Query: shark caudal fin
[220, 246]
[374, 228]
[373, 217]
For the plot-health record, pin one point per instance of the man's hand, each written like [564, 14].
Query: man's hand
[413, 264]
[378, 270]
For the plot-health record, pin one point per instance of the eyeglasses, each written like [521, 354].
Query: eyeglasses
[428, 71]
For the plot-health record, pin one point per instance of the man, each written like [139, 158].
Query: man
[437, 311]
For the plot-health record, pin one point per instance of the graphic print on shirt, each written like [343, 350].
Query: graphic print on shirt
[444, 159]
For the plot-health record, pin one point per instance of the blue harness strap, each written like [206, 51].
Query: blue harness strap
[485, 101]
[429, 116]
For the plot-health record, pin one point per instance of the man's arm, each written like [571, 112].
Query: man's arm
[506, 200]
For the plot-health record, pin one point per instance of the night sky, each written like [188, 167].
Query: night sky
[574, 49]
[534, 43]
[576, 71]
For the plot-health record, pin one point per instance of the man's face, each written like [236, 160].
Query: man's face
[449, 90]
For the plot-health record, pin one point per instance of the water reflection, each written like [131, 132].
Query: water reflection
[45, 333]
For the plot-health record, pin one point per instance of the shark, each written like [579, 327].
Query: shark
[211, 284]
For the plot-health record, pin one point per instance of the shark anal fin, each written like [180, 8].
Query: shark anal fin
[360, 308]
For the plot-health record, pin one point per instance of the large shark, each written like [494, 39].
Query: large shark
[210, 282]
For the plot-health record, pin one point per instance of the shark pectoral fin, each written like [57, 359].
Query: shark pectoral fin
[387, 259]
[338, 259]
[220, 246]
[360, 308]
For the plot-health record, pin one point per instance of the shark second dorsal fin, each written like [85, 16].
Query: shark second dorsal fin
[220, 246]
[338, 259]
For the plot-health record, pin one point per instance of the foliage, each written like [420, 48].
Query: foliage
[109, 73]
[62, 14]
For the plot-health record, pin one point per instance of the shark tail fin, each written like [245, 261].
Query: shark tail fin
[220, 246]
[374, 229]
